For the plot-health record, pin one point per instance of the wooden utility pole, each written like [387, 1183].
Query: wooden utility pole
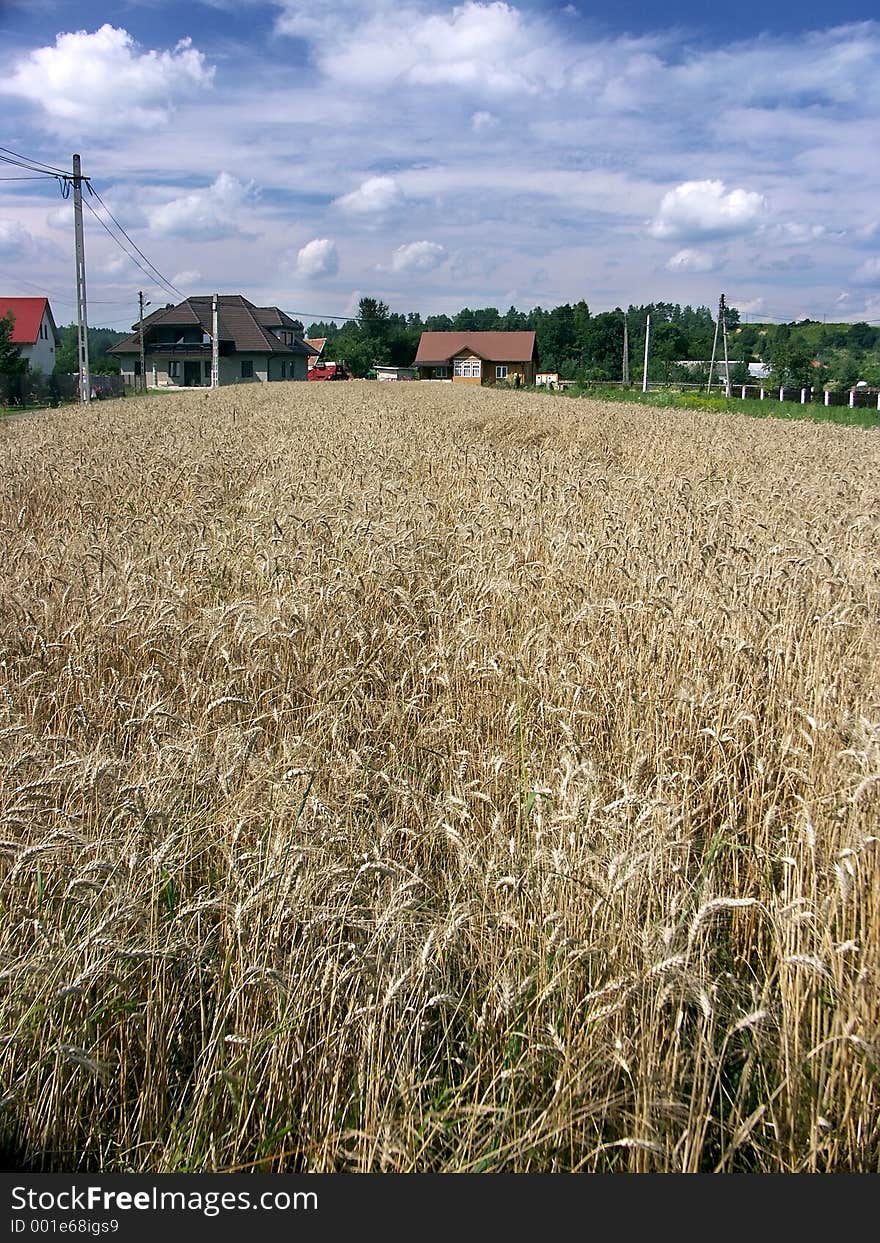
[714, 348]
[625, 351]
[215, 343]
[82, 317]
[647, 343]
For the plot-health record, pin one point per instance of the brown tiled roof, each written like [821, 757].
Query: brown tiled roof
[315, 344]
[492, 347]
[238, 320]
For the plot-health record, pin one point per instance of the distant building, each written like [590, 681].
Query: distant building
[396, 373]
[478, 357]
[256, 344]
[33, 331]
[316, 348]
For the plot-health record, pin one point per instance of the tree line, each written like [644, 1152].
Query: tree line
[571, 340]
[585, 347]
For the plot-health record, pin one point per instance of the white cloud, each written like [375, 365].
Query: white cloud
[204, 215]
[318, 257]
[799, 234]
[689, 260]
[189, 276]
[492, 47]
[374, 197]
[868, 273]
[60, 218]
[418, 257]
[482, 121]
[87, 82]
[114, 264]
[707, 209]
[15, 241]
[749, 306]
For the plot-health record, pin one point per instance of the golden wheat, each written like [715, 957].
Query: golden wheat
[401, 778]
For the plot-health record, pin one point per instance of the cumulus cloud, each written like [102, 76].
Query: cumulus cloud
[418, 257]
[491, 47]
[86, 81]
[189, 276]
[749, 306]
[868, 273]
[796, 233]
[482, 122]
[689, 260]
[115, 264]
[374, 197]
[707, 209]
[204, 215]
[318, 257]
[15, 241]
[60, 217]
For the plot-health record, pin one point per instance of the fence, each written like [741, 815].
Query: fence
[35, 389]
[864, 398]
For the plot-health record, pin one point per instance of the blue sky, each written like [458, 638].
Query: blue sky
[439, 155]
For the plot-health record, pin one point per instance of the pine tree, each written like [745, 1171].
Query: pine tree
[11, 361]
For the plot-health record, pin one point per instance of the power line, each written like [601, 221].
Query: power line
[163, 280]
[13, 157]
[59, 297]
[136, 262]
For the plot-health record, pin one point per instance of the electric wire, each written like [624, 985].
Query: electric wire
[162, 279]
[136, 262]
[36, 165]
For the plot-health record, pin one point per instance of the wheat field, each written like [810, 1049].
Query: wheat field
[401, 778]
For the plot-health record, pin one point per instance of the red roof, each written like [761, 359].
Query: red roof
[493, 347]
[28, 314]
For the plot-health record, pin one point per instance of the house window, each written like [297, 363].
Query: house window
[174, 370]
[283, 369]
[247, 369]
[501, 371]
[440, 373]
[207, 371]
[468, 367]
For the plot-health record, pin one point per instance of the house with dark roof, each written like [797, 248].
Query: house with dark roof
[255, 343]
[33, 331]
[477, 357]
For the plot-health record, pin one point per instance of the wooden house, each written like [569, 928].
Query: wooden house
[478, 357]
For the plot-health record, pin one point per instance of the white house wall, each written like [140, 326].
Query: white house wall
[41, 355]
[265, 368]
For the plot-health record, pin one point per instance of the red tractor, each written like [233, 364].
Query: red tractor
[328, 371]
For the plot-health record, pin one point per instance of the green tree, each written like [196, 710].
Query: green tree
[12, 365]
[100, 341]
[790, 361]
[11, 361]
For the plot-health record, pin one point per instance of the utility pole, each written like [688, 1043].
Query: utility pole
[722, 315]
[625, 352]
[715, 344]
[143, 351]
[647, 342]
[82, 326]
[215, 343]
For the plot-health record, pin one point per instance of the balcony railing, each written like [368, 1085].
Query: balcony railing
[197, 348]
